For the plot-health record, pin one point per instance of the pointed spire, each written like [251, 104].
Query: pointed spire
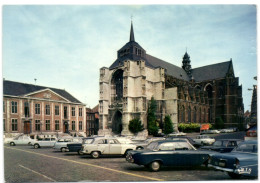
[132, 36]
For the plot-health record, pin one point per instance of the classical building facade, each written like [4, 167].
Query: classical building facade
[35, 110]
[198, 95]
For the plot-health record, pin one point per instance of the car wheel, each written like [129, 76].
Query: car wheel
[80, 152]
[155, 166]
[63, 149]
[127, 152]
[95, 154]
[36, 146]
[12, 144]
[139, 148]
[234, 175]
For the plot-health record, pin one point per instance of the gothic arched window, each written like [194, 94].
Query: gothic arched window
[194, 115]
[117, 85]
[189, 114]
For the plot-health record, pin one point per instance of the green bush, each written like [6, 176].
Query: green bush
[168, 126]
[135, 126]
[190, 127]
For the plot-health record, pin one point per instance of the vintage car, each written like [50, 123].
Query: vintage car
[209, 132]
[204, 140]
[106, 146]
[176, 153]
[223, 145]
[46, 142]
[20, 140]
[251, 133]
[243, 160]
[61, 144]
[76, 146]
[189, 139]
[176, 134]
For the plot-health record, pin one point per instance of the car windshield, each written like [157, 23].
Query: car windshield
[152, 145]
[220, 143]
[252, 148]
[87, 141]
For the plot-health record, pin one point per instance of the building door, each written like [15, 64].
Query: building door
[27, 127]
[117, 123]
[65, 127]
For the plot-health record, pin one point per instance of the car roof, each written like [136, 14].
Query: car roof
[164, 141]
[229, 140]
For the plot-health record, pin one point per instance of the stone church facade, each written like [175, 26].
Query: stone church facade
[188, 95]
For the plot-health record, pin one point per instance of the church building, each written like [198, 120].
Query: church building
[199, 95]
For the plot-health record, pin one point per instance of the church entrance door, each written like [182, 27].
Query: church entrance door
[117, 123]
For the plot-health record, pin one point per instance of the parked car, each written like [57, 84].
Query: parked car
[226, 130]
[106, 146]
[204, 140]
[76, 146]
[251, 133]
[209, 132]
[61, 144]
[46, 142]
[190, 140]
[243, 160]
[168, 153]
[223, 145]
[174, 134]
[20, 140]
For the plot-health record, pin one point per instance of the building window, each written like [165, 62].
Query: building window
[65, 112]
[37, 109]
[14, 124]
[80, 111]
[14, 107]
[4, 124]
[3, 106]
[37, 125]
[26, 109]
[80, 125]
[57, 110]
[48, 125]
[57, 125]
[47, 109]
[73, 111]
[73, 125]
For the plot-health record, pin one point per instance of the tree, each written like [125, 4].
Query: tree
[151, 118]
[168, 126]
[135, 126]
[219, 124]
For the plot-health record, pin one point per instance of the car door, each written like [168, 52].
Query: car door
[102, 146]
[114, 146]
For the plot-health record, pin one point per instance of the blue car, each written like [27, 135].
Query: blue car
[178, 153]
[76, 147]
[242, 161]
[223, 145]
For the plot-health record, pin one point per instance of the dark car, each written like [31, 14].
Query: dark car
[76, 147]
[190, 140]
[223, 145]
[168, 153]
[251, 133]
[243, 160]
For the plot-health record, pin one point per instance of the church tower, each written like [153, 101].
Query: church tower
[186, 64]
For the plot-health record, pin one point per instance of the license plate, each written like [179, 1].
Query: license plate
[222, 164]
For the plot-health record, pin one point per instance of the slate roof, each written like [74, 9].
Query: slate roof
[210, 72]
[20, 89]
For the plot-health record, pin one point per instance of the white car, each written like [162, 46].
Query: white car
[20, 140]
[107, 146]
[204, 139]
[176, 134]
[210, 132]
[61, 144]
[46, 142]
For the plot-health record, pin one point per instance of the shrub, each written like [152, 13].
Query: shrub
[135, 126]
[190, 127]
[168, 126]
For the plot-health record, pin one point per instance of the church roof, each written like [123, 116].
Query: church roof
[171, 69]
[210, 72]
[20, 89]
[205, 73]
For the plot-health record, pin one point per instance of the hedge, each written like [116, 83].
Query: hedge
[190, 127]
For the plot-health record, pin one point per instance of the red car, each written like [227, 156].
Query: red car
[251, 133]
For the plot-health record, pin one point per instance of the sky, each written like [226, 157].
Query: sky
[64, 46]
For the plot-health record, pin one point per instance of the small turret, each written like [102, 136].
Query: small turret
[186, 64]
